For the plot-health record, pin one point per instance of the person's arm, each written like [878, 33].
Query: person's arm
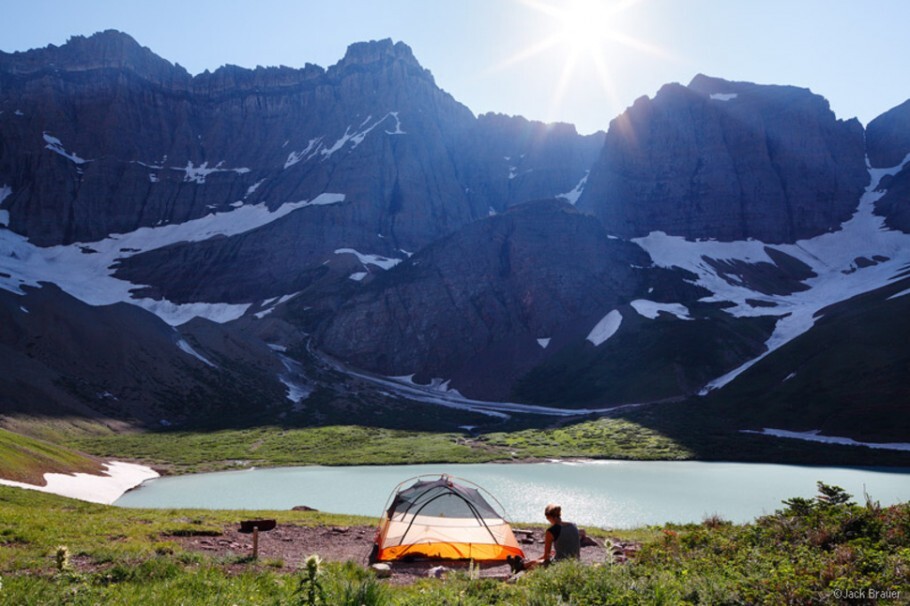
[547, 545]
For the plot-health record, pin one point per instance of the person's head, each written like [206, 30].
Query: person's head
[553, 512]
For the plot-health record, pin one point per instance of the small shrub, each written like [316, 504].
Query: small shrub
[832, 495]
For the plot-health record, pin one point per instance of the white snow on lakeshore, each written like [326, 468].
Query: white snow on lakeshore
[815, 436]
[105, 489]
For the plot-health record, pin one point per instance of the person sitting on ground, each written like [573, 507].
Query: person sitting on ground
[561, 541]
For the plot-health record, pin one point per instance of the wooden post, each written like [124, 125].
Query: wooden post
[254, 526]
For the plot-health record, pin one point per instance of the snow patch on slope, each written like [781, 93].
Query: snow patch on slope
[356, 137]
[197, 174]
[187, 348]
[55, 145]
[367, 259]
[269, 306]
[831, 257]
[85, 270]
[5, 192]
[606, 328]
[815, 436]
[305, 154]
[652, 309]
[572, 196]
[397, 130]
[439, 393]
[297, 390]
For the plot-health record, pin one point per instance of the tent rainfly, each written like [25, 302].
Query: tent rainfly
[443, 519]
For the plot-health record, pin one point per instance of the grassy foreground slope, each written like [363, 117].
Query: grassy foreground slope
[25, 459]
[825, 550]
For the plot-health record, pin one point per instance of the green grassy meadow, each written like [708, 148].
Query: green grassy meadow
[26, 459]
[812, 551]
[61, 551]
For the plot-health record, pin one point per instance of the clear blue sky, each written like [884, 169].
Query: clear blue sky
[536, 58]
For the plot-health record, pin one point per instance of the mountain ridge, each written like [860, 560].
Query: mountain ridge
[361, 212]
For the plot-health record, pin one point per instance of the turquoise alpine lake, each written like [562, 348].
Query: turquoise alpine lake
[606, 494]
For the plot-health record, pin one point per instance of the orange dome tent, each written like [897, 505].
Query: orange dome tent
[443, 519]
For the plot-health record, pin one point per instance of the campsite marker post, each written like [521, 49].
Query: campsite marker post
[254, 526]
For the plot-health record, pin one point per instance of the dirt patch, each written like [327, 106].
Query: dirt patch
[292, 545]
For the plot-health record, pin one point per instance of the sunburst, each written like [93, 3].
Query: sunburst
[588, 30]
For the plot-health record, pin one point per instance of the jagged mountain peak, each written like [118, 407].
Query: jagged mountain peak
[378, 52]
[102, 50]
[712, 85]
[505, 121]
[107, 39]
[365, 206]
[728, 160]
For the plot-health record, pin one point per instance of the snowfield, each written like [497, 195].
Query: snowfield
[106, 489]
[815, 436]
[831, 256]
[84, 269]
[652, 309]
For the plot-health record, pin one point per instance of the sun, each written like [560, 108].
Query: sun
[588, 34]
[586, 24]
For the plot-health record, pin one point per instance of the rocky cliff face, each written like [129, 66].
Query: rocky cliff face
[380, 219]
[100, 136]
[61, 357]
[888, 137]
[152, 147]
[509, 160]
[472, 306]
[730, 161]
[888, 144]
[894, 205]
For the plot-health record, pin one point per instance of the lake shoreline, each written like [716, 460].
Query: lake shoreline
[122, 477]
[602, 493]
[119, 479]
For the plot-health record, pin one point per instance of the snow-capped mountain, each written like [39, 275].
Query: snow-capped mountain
[173, 245]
